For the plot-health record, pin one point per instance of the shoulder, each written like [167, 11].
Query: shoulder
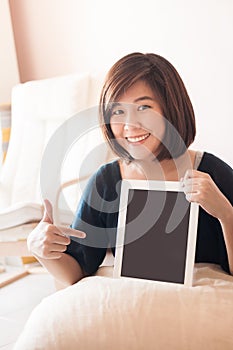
[220, 172]
[108, 168]
[105, 179]
[214, 165]
[109, 172]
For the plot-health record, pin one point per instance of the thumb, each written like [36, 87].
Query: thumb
[48, 212]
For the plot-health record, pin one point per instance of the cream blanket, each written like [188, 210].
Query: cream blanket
[100, 312]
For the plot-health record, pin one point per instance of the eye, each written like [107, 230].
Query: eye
[143, 107]
[117, 112]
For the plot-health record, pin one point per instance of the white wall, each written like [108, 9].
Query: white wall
[63, 36]
[8, 63]
[196, 36]
[48, 37]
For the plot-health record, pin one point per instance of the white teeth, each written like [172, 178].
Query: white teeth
[138, 138]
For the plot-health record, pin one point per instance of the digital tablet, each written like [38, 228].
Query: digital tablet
[156, 232]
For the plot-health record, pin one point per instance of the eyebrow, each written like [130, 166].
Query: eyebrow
[142, 98]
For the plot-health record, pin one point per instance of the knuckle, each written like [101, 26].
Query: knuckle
[45, 248]
[47, 239]
[58, 256]
[44, 251]
[64, 248]
[50, 228]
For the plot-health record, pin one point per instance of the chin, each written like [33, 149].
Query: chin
[142, 155]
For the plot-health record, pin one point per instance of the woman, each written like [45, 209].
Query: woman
[148, 120]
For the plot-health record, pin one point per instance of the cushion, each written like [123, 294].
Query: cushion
[5, 123]
[104, 313]
[38, 108]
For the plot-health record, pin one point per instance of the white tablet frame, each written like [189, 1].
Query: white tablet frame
[174, 186]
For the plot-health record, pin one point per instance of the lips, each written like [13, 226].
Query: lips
[137, 139]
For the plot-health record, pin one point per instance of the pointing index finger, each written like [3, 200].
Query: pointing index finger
[67, 231]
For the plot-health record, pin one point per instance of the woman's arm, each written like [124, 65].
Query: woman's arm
[200, 188]
[227, 227]
[65, 270]
[48, 243]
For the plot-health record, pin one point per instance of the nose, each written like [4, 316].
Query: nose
[131, 121]
[130, 126]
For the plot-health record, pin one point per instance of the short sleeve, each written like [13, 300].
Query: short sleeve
[90, 252]
[222, 175]
[211, 245]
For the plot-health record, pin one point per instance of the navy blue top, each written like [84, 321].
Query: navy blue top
[97, 215]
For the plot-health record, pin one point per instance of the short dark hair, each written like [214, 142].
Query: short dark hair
[168, 87]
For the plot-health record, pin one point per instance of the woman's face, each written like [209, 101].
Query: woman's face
[137, 122]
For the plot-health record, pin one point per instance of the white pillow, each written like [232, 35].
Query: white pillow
[105, 313]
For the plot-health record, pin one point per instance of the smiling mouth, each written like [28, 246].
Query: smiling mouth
[137, 138]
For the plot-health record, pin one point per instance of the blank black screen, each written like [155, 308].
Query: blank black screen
[156, 255]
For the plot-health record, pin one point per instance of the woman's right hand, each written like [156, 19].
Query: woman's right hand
[48, 241]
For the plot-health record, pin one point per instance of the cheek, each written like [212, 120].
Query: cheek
[157, 126]
[116, 129]
[160, 131]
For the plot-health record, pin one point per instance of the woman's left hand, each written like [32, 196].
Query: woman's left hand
[200, 188]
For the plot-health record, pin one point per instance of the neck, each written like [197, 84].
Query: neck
[165, 170]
